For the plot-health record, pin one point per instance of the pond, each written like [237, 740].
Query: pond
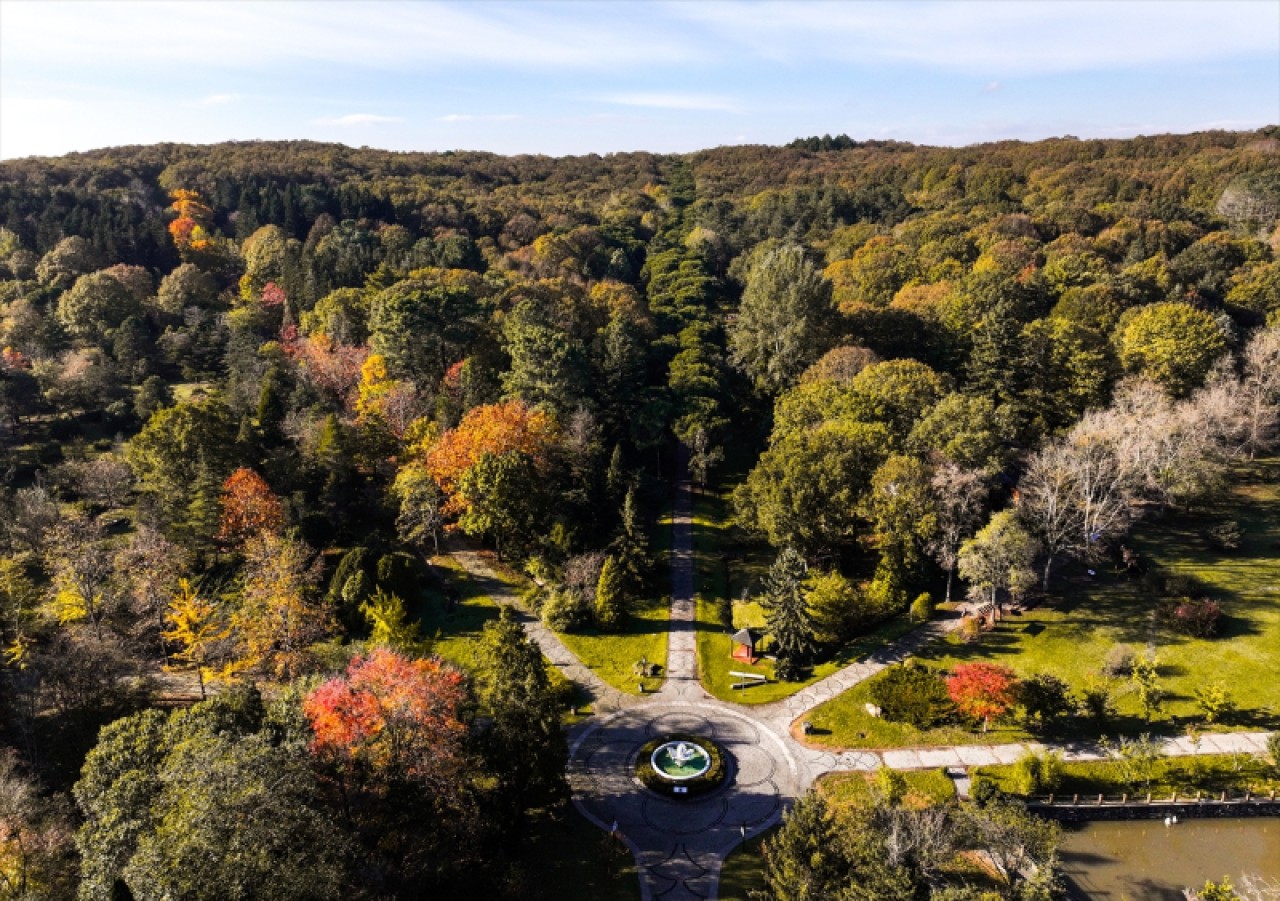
[1143, 860]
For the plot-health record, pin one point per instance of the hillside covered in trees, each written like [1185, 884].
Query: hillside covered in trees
[250, 391]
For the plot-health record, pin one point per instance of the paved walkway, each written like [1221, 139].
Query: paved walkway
[605, 699]
[679, 846]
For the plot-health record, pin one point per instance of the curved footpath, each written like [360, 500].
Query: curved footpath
[680, 846]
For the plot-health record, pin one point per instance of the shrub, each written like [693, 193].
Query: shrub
[911, 694]
[1037, 772]
[983, 790]
[708, 781]
[1119, 660]
[922, 608]
[1045, 701]
[1197, 617]
[889, 786]
[564, 611]
[970, 628]
[1225, 536]
[1095, 701]
[1273, 748]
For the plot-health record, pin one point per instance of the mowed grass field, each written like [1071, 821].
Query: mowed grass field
[1070, 635]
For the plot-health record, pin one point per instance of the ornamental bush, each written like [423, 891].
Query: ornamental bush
[911, 694]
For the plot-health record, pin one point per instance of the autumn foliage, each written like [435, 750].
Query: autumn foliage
[190, 231]
[248, 507]
[493, 429]
[982, 690]
[392, 717]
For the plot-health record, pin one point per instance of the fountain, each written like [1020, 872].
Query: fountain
[680, 760]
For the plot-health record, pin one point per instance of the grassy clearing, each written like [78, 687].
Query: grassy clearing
[454, 635]
[925, 788]
[568, 858]
[1210, 773]
[729, 566]
[1087, 616]
[612, 655]
[743, 870]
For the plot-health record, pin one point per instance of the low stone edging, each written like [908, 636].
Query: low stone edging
[1086, 809]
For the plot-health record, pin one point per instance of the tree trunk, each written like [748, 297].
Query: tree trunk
[951, 574]
[1048, 565]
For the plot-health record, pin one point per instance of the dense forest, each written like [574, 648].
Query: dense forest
[249, 391]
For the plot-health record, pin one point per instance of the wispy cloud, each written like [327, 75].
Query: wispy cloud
[674, 101]
[354, 119]
[468, 117]
[373, 34]
[992, 87]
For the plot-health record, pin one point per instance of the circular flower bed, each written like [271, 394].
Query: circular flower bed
[706, 753]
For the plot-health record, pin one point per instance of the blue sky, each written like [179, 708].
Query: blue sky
[579, 77]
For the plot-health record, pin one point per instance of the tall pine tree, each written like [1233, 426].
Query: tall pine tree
[788, 616]
[525, 747]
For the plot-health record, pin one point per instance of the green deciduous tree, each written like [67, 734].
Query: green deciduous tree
[1174, 344]
[785, 321]
[998, 558]
[806, 487]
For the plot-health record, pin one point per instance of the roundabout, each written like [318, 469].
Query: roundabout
[680, 838]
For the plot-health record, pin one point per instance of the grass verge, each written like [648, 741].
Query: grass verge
[1088, 615]
[1209, 773]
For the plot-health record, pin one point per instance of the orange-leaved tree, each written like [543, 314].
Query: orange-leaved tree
[492, 430]
[393, 719]
[982, 690]
[190, 231]
[248, 507]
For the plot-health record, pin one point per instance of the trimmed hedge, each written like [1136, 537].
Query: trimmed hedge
[712, 779]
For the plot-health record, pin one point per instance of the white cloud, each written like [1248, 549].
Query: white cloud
[992, 87]
[673, 101]
[357, 119]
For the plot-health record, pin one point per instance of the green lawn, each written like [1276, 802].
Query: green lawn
[924, 788]
[1086, 616]
[612, 654]
[728, 566]
[565, 857]
[743, 870]
[455, 635]
[1185, 775]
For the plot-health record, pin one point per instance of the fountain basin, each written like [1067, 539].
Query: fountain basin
[680, 766]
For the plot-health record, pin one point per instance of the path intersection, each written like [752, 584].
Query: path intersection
[680, 846]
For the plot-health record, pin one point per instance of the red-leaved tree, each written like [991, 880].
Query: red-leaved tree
[392, 719]
[982, 690]
[248, 507]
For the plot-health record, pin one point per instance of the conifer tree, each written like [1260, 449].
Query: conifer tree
[611, 595]
[788, 616]
[525, 746]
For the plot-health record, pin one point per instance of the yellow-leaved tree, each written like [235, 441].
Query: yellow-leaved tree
[199, 630]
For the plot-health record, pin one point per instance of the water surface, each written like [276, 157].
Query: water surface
[1143, 860]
